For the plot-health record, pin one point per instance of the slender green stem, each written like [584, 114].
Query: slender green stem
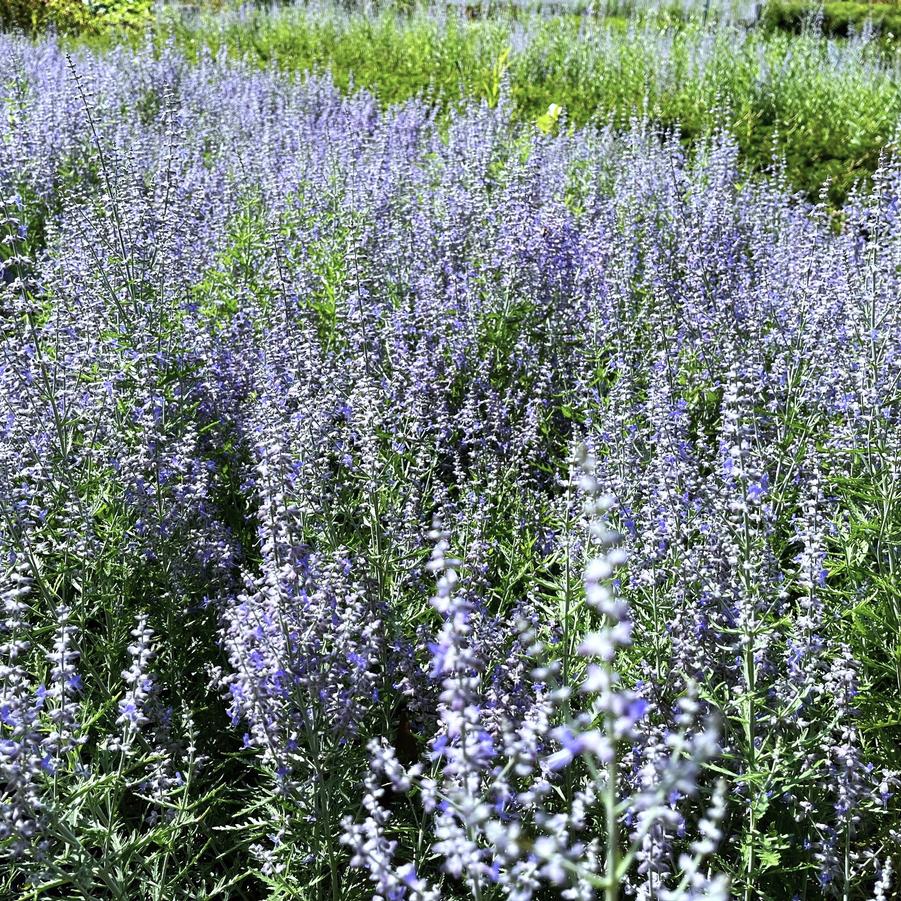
[611, 891]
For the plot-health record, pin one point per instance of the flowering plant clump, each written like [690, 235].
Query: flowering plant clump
[504, 819]
[302, 592]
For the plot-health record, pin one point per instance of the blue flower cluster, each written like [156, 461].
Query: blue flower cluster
[302, 584]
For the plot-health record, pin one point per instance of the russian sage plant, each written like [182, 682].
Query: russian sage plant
[257, 334]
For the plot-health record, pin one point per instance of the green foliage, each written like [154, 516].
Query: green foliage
[838, 18]
[395, 59]
[75, 17]
[66, 16]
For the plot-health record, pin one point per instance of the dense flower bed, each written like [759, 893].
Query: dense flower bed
[272, 362]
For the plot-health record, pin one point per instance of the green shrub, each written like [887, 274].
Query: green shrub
[75, 17]
[838, 19]
[31, 16]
